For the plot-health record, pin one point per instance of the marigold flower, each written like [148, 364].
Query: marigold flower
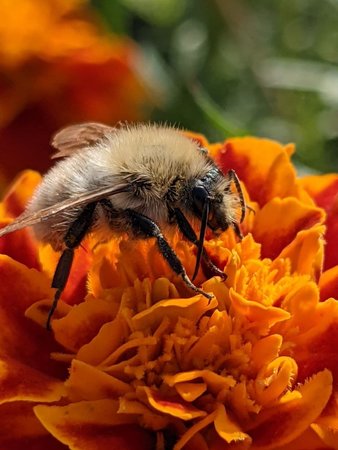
[135, 361]
[58, 66]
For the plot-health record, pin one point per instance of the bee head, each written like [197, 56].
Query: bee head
[210, 203]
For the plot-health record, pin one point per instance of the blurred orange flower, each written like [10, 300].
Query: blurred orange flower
[139, 363]
[58, 66]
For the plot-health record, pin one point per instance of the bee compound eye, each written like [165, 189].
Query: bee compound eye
[200, 196]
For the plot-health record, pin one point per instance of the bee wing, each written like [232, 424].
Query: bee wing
[26, 220]
[75, 137]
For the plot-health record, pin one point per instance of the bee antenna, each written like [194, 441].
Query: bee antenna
[204, 223]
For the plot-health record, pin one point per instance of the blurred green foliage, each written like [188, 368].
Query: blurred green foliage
[232, 67]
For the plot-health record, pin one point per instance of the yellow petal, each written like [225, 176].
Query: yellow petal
[191, 308]
[190, 391]
[265, 350]
[274, 379]
[107, 340]
[175, 407]
[229, 430]
[263, 316]
[306, 251]
[214, 381]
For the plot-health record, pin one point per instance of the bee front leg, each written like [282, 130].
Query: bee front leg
[75, 234]
[189, 233]
[143, 226]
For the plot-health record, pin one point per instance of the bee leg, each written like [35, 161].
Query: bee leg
[144, 227]
[189, 233]
[72, 239]
[237, 230]
[232, 175]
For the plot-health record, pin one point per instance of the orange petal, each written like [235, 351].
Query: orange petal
[20, 338]
[328, 435]
[107, 341]
[214, 381]
[88, 383]
[302, 302]
[328, 284]
[279, 221]
[324, 190]
[76, 289]
[82, 323]
[331, 236]
[316, 348]
[264, 177]
[193, 430]
[308, 440]
[146, 415]
[92, 425]
[39, 311]
[191, 308]
[279, 426]
[264, 316]
[305, 252]
[197, 137]
[21, 382]
[20, 192]
[175, 407]
[20, 246]
[266, 350]
[20, 429]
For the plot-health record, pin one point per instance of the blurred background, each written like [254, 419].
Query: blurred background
[218, 67]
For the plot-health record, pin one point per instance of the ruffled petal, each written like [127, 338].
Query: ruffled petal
[331, 236]
[324, 190]
[191, 308]
[328, 283]
[263, 317]
[20, 338]
[264, 166]
[82, 323]
[316, 347]
[279, 221]
[306, 251]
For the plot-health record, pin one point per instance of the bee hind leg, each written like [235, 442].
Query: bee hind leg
[143, 226]
[73, 238]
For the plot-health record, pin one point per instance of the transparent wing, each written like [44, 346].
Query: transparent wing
[75, 137]
[26, 220]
